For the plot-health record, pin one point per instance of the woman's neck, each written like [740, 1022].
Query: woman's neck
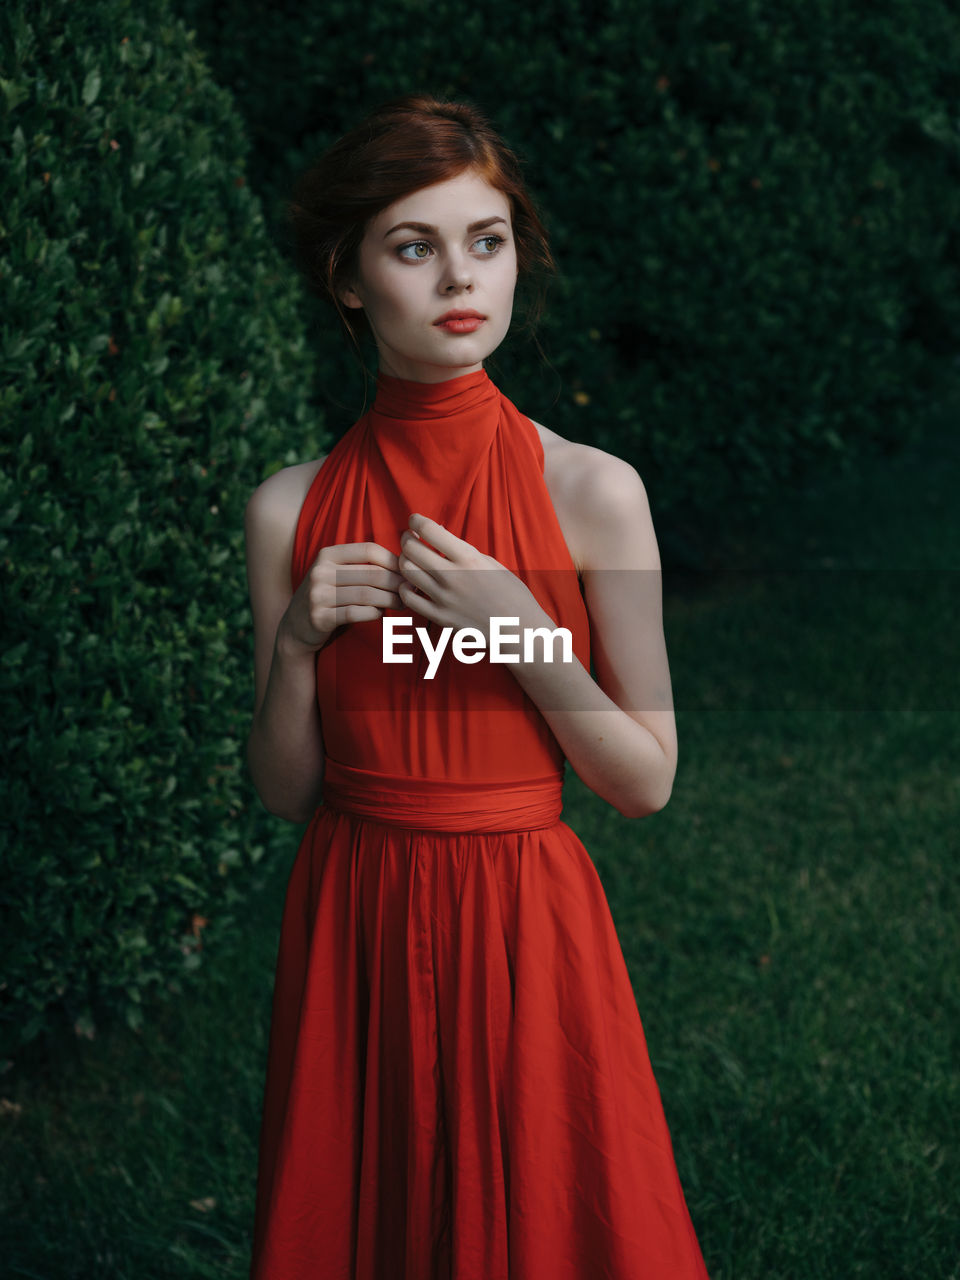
[412, 371]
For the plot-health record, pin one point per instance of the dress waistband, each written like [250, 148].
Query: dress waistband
[442, 804]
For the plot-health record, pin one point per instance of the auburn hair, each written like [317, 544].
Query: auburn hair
[404, 145]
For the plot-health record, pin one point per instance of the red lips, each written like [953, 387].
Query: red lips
[459, 315]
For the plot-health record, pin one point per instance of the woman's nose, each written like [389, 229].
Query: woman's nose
[457, 276]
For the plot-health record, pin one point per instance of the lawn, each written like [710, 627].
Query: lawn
[789, 921]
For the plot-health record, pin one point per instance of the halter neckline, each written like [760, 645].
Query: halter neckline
[419, 402]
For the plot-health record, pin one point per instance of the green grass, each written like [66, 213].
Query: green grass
[789, 922]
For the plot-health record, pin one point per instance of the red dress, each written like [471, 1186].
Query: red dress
[458, 1085]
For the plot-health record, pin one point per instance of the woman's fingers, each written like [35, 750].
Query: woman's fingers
[413, 551]
[351, 564]
[364, 575]
[346, 613]
[357, 581]
[415, 574]
[447, 543]
[377, 596]
[359, 553]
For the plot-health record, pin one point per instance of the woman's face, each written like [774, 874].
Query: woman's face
[444, 248]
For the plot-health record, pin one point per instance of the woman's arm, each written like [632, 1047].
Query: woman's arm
[285, 746]
[349, 582]
[618, 732]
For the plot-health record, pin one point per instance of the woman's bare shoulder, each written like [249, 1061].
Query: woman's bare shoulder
[577, 471]
[275, 504]
[594, 493]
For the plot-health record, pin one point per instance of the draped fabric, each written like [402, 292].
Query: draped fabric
[458, 1085]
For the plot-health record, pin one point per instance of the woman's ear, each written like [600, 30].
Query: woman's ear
[350, 298]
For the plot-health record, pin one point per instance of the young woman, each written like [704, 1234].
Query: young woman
[458, 1084]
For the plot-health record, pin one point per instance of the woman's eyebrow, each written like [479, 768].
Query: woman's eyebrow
[425, 229]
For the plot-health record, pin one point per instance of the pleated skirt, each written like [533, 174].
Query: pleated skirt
[458, 1084]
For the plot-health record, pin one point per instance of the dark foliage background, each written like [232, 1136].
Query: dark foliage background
[153, 368]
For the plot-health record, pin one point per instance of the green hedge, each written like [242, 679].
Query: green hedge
[154, 369]
[755, 207]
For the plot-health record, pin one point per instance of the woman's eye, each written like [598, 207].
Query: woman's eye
[416, 246]
[419, 250]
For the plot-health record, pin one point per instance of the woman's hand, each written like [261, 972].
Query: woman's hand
[348, 582]
[451, 583]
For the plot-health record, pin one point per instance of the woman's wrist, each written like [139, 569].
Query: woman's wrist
[290, 649]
